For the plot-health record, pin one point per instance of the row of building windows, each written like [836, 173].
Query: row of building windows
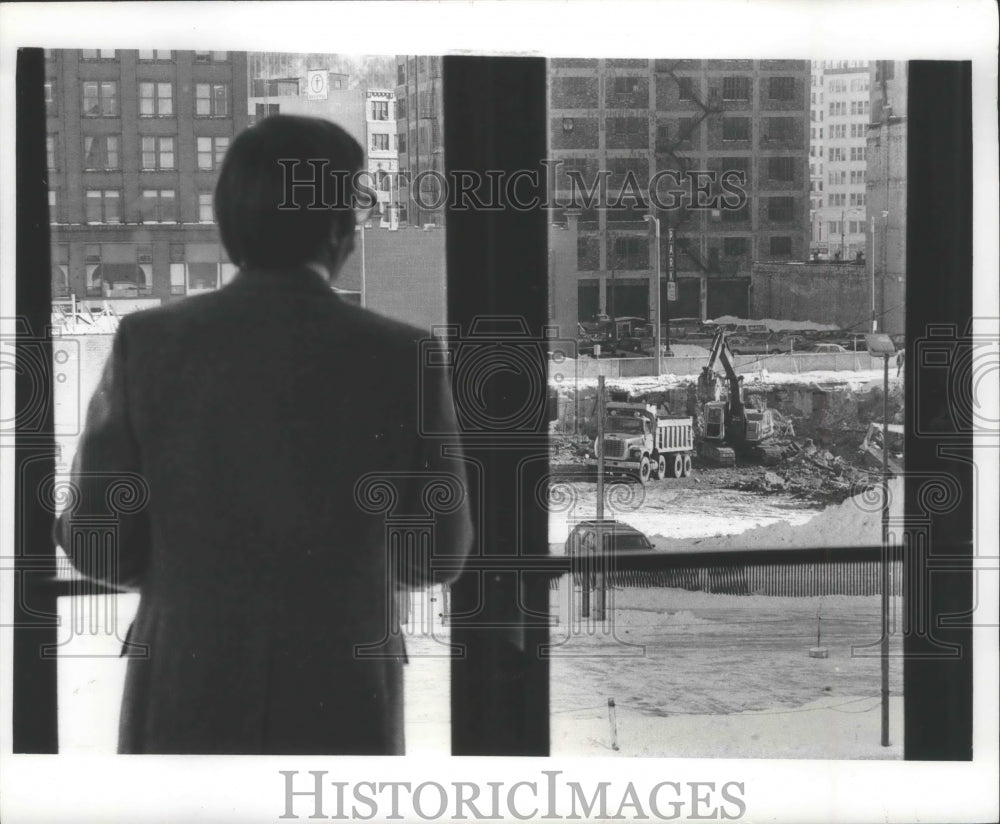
[101, 98]
[149, 55]
[103, 206]
[582, 90]
[102, 153]
[847, 199]
[632, 253]
[840, 108]
[856, 154]
[127, 269]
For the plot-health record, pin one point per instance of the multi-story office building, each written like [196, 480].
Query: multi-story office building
[886, 190]
[679, 124]
[420, 138]
[135, 139]
[838, 137]
[382, 151]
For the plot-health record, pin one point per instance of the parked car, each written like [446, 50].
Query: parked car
[617, 537]
[751, 345]
[828, 349]
[793, 342]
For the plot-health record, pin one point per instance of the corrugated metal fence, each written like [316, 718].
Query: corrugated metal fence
[842, 578]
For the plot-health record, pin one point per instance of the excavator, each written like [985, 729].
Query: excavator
[730, 427]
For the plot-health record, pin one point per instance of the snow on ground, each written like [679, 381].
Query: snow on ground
[856, 521]
[860, 379]
[775, 325]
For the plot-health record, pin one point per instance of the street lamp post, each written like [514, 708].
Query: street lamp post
[656, 290]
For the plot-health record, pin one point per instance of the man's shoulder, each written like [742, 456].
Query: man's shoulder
[173, 314]
[380, 327]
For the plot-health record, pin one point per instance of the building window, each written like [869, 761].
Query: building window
[269, 87]
[734, 246]
[205, 212]
[781, 168]
[262, 110]
[781, 209]
[685, 88]
[630, 253]
[400, 74]
[781, 88]
[210, 56]
[211, 151]
[736, 128]
[781, 246]
[100, 153]
[178, 270]
[50, 153]
[380, 110]
[401, 141]
[158, 206]
[157, 153]
[835, 227]
[60, 270]
[858, 199]
[53, 206]
[858, 177]
[859, 153]
[98, 54]
[118, 269]
[202, 277]
[780, 128]
[838, 199]
[149, 55]
[735, 88]
[860, 107]
[211, 100]
[50, 95]
[736, 215]
[100, 98]
[156, 100]
[837, 154]
[380, 142]
[103, 206]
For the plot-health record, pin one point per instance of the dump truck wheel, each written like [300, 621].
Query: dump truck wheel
[661, 464]
[678, 467]
[687, 465]
[644, 469]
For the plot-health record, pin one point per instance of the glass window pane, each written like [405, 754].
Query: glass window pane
[617, 288]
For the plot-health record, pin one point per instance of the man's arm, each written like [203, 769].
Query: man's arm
[440, 456]
[108, 487]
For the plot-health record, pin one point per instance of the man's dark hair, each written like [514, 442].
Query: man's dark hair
[264, 220]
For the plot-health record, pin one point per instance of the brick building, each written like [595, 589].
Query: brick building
[838, 148]
[419, 116]
[633, 122]
[135, 139]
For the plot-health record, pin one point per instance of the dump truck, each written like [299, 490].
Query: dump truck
[638, 442]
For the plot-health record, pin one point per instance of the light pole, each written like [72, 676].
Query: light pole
[656, 291]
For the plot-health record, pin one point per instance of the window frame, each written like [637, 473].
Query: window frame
[101, 98]
[928, 685]
[212, 86]
[158, 102]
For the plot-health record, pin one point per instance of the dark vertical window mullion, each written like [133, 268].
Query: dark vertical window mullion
[35, 722]
[939, 418]
[495, 119]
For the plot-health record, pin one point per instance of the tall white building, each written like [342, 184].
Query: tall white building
[840, 110]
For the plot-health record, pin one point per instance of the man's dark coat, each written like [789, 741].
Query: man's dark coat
[250, 415]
